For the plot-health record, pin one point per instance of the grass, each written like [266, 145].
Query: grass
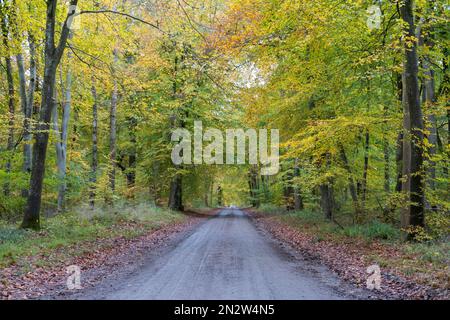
[372, 230]
[79, 225]
[315, 222]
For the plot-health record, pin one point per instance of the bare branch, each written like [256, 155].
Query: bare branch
[125, 15]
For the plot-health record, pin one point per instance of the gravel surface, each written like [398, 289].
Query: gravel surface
[226, 257]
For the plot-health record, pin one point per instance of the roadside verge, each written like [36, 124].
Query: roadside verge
[42, 271]
[349, 258]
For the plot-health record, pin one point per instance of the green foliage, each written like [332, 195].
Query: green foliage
[11, 208]
[322, 77]
[372, 230]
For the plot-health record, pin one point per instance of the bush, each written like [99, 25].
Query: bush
[309, 217]
[373, 230]
[11, 208]
[270, 208]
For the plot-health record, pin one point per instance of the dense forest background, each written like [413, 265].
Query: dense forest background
[88, 99]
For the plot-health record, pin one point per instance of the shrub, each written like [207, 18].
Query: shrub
[373, 230]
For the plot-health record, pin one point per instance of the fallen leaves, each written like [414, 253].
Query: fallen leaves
[350, 258]
[45, 274]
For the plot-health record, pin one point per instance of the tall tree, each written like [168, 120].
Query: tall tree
[27, 100]
[61, 141]
[94, 161]
[6, 16]
[413, 185]
[112, 125]
[52, 57]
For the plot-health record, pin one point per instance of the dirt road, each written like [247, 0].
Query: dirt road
[226, 257]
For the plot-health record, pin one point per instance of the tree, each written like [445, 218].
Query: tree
[7, 19]
[94, 161]
[52, 57]
[413, 185]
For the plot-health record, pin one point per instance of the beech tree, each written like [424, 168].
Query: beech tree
[52, 56]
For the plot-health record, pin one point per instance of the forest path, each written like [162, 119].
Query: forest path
[226, 257]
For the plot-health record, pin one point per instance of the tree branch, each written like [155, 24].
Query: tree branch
[64, 33]
[125, 15]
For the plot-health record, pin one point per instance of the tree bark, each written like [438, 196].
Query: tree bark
[288, 189]
[176, 184]
[11, 92]
[61, 142]
[386, 154]
[253, 186]
[399, 142]
[429, 99]
[351, 183]
[298, 200]
[365, 169]
[399, 161]
[327, 195]
[444, 89]
[176, 196]
[94, 163]
[131, 170]
[219, 196]
[27, 100]
[112, 128]
[413, 212]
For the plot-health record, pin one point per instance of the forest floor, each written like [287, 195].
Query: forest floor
[119, 251]
[34, 264]
[408, 271]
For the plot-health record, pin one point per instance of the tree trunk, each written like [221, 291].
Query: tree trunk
[5, 25]
[428, 101]
[11, 110]
[24, 107]
[399, 142]
[351, 184]
[298, 201]
[254, 186]
[112, 128]
[366, 167]
[176, 196]
[61, 143]
[327, 200]
[386, 155]
[413, 212]
[219, 196]
[288, 190]
[94, 163]
[131, 170]
[53, 56]
[211, 193]
[27, 106]
[58, 145]
[444, 89]
[327, 195]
